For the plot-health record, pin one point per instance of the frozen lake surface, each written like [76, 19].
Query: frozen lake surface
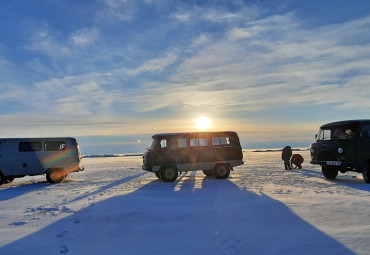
[114, 207]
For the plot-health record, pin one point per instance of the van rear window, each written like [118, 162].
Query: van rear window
[30, 146]
[220, 140]
[55, 146]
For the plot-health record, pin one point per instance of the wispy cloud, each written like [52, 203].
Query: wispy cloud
[223, 16]
[112, 10]
[85, 37]
[44, 41]
[156, 65]
[76, 96]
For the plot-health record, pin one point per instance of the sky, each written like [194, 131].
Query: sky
[113, 73]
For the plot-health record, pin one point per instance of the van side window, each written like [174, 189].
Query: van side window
[55, 146]
[365, 131]
[194, 142]
[198, 142]
[30, 146]
[164, 143]
[203, 142]
[168, 143]
[182, 143]
[220, 141]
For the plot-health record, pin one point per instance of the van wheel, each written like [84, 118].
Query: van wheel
[169, 174]
[9, 179]
[366, 173]
[208, 172]
[221, 172]
[158, 174]
[329, 172]
[55, 175]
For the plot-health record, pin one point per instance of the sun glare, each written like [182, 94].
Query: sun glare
[203, 122]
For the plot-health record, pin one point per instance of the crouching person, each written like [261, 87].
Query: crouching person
[296, 161]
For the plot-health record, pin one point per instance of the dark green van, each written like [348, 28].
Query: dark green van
[343, 146]
[216, 153]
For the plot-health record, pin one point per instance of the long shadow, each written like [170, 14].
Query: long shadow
[10, 192]
[19, 190]
[356, 183]
[203, 216]
[108, 186]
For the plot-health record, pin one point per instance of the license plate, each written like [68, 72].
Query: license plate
[333, 163]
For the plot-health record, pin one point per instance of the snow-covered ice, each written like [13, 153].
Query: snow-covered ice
[114, 207]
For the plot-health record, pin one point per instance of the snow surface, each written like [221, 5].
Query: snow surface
[114, 207]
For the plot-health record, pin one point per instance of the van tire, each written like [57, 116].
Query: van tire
[366, 173]
[169, 174]
[208, 172]
[9, 179]
[330, 172]
[158, 174]
[221, 171]
[55, 175]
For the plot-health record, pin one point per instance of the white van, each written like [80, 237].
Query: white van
[56, 157]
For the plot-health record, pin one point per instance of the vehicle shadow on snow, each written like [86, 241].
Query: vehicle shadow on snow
[194, 215]
[15, 190]
[108, 186]
[353, 181]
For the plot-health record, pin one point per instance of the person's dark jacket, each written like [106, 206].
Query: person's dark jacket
[287, 153]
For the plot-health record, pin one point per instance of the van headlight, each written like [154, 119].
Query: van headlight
[313, 150]
[340, 150]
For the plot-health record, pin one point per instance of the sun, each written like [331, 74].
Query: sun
[203, 122]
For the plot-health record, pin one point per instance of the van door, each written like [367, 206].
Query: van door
[200, 151]
[29, 158]
[183, 154]
[363, 149]
[165, 152]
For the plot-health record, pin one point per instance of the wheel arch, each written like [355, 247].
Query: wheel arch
[225, 164]
[168, 166]
[60, 174]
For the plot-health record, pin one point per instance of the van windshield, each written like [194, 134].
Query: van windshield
[335, 133]
[152, 145]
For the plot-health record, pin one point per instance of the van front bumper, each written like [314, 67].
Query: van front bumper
[146, 168]
[332, 163]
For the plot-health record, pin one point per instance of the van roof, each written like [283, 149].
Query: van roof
[345, 122]
[193, 134]
[36, 138]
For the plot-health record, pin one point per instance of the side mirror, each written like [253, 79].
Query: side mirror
[316, 137]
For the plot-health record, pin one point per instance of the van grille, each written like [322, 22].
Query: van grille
[326, 156]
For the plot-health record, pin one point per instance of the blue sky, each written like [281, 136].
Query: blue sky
[114, 72]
